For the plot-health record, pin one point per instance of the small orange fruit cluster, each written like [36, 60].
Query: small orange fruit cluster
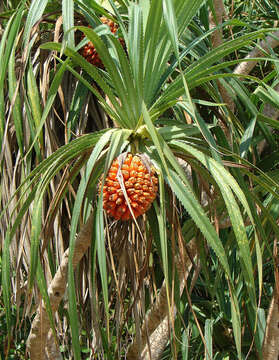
[141, 186]
[89, 52]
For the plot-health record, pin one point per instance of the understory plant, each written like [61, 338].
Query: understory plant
[97, 265]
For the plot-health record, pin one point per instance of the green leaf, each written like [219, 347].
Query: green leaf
[108, 109]
[34, 102]
[181, 188]
[6, 46]
[153, 134]
[56, 82]
[117, 114]
[35, 238]
[151, 50]
[208, 339]
[157, 44]
[47, 169]
[73, 313]
[6, 282]
[68, 22]
[35, 13]
[268, 95]
[185, 344]
[15, 101]
[112, 69]
[161, 218]
[135, 47]
[77, 102]
[227, 185]
[133, 101]
[247, 138]
[190, 203]
[170, 20]
[269, 121]
[202, 66]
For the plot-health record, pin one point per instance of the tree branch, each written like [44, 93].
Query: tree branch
[270, 42]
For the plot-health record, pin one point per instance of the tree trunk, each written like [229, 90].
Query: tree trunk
[36, 343]
[271, 339]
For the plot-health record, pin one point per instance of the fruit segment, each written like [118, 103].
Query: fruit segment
[141, 186]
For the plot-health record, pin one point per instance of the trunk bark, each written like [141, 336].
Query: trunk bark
[245, 67]
[37, 340]
[271, 339]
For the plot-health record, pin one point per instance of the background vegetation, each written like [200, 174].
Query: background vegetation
[194, 85]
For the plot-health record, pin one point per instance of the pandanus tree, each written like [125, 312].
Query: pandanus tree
[143, 226]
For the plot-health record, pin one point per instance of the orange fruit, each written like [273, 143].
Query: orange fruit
[140, 185]
[89, 52]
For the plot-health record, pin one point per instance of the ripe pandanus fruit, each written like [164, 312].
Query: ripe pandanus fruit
[139, 182]
[89, 52]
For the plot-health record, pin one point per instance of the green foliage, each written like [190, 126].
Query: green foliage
[17, 343]
[63, 121]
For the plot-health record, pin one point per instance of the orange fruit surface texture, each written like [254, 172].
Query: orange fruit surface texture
[141, 186]
[89, 52]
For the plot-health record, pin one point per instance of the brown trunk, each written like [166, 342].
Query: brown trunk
[245, 67]
[36, 343]
[271, 339]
